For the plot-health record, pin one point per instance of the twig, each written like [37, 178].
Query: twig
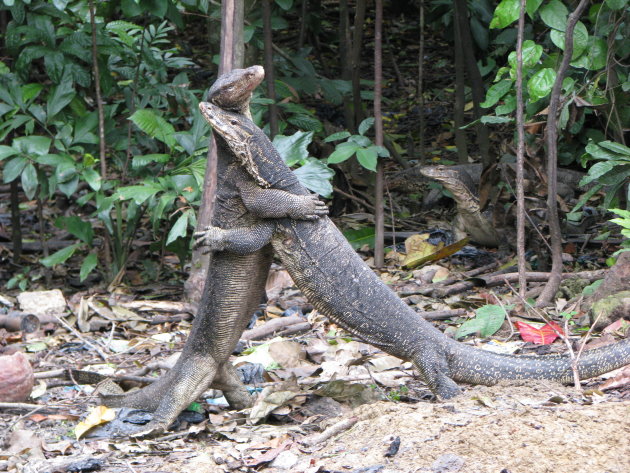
[331, 431]
[80, 337]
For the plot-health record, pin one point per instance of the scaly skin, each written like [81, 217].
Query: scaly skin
[470, 221]
[339, 284]
[234, 284]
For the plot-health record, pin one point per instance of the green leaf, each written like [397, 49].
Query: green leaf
[88, 265]
[597, 152]
[505, 14]
[32, 145]
[616, 147]
[139, 194]
[342, 152]
[154, 125]
[179, 228]
[29, 180]
[596, 171]
[554, 14]
[60, 256]
[362, 141]
[60, 96]
[531, 54]
[365, 125]
[285, 4]
[93, 178]
[488, 320]
[531, 6]
[306, 122]
[316, 176]
[580, 39]
[541, 83]
[597, 53]
[613, 4]
[340, 135]
[141, 161]
[13, 168]
[496, 92]
[7, 151]
[368, 157]
[293, 148]
[360, 237]
[77, 227]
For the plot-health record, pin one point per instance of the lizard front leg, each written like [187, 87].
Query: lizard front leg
[240, 240]
[275, 203]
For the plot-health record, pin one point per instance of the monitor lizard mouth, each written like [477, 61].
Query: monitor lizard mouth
[236, 131]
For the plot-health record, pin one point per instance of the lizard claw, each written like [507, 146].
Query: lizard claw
[212, 238]
[309, 208]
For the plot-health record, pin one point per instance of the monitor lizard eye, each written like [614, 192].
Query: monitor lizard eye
[233, 122]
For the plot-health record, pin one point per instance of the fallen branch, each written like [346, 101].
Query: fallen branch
[331, 431]
[271, 327]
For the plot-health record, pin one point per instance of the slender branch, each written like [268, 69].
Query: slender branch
[379, 215]
[555, 235]
[520, 156]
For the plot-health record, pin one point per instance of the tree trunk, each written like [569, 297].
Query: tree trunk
[345, 61]
[420, 93]
[270, 78]
[460, 98]
[357, 43]
[379, 214]
[232, 20]
[520, 156]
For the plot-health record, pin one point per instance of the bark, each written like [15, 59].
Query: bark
[16, 227]
[520, 157]
[357, 43]
[475, 80]
[345, 61]
[271, 87]
[555, 235]
[379, 215]
[460, 99]
[231, 44]
[420, 93]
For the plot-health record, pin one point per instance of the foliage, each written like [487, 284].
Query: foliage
[488, 320]
[361, 146]
[624, 221]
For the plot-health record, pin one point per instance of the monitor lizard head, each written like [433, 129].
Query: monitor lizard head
[237, 131]
[233, 90]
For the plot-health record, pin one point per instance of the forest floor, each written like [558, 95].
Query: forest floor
[324, 379]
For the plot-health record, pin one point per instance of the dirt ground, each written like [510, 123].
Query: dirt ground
[516, 428]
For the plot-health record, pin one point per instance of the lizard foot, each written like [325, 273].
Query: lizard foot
[212, 239]
[308, 207]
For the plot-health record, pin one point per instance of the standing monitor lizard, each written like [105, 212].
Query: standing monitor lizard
[234, 283]
[340, 285]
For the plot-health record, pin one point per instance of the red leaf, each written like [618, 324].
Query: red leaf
[541, 335]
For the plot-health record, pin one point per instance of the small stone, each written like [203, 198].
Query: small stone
[448, 463]
[285, 460]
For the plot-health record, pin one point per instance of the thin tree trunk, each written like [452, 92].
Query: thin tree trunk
[302, 36]
[475, 79]
[43, 241]
[460, 98]
[231, 38]
[357, 43]
[271, 86]
[379, 216]
[520, 157]
[549, 292]
[107, 255]
[16, 226]
[420, 93]
[345, 61]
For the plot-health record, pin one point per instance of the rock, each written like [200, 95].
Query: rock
[285, 460]
[43, 302]
[16, 378]
[448, 463]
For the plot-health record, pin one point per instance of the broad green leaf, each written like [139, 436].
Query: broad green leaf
[508, 106]
[531, 54]
[365, 125]
[531, 7]
[315, 176]
[13, 168]
[496, 92]
[139, 194]
[342, 152]
[60, 96]
[179, 228]
[541, 83]
[597, 53]
[616, 4]
[616, 147]
[77, 227]
[580, 39]
[490, 119]
[596, 151]
[141, 161]
[596, 171]
[60, 256]
[306, 122]
[93, 178]
[88, 265]
[293, 148]
[61, 4]
[154, 125]
[29, 180]
[32, 145]
[340, 135]
[285, 4]
[31, 91]
[54, 159]
[7, 151]
[554, 14]
[65, 172]
[488, 320]
[362, 141]
[505, 14]
[360, 237]
[54, 61]
[368, 157]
